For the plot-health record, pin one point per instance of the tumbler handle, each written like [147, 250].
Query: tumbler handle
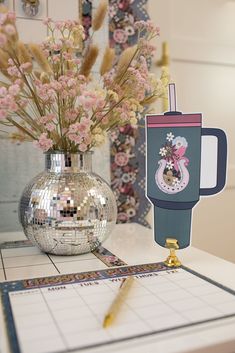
[221, 160]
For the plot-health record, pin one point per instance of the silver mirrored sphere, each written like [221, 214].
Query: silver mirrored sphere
[67, 209]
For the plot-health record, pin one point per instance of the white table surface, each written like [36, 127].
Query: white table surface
[134, 244]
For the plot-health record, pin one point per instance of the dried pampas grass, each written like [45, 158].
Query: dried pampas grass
[125, 59]
[107, 61]
[3, 9]
[4, 63]
[24, 54]
[44, 78]
[89, 60]
[99, 15]
[40, 57]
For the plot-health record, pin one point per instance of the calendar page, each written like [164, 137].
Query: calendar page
[66, 313]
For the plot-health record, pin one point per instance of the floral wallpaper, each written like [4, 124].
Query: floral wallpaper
[128, 143]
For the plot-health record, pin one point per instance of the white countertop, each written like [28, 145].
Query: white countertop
[134, 244]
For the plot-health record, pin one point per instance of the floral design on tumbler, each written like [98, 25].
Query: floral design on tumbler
[172, 175]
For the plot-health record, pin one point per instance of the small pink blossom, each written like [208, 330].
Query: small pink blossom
[13, 71]
[90, 100]
[57, 46]
[71, 115]
[47, 21]
[9, 29]
[3, 91]
[82, 147]
[68, 43]
[11, 16]
[44, 142]
[46, 52]
[67, 56]
[147, 26]
[75, 138]
[56, 58]
[3, 18]
[56, 85]
[50, 127]
[46, 119]
[59, 25]
[14, 89]
[3, 114]
[77, 61]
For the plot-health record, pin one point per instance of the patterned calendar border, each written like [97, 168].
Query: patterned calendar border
[143, 269]
[104, 255]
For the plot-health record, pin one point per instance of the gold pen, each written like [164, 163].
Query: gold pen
[116, 304]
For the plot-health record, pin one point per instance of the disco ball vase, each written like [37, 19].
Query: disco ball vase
[67, 209]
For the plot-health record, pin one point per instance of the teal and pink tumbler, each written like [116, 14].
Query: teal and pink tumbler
[173, 170]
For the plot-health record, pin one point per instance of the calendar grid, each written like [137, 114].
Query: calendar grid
[159, 301]
[71, 314]
[54, 320]
[201, 298]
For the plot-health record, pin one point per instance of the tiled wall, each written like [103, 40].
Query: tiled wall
[19, 163]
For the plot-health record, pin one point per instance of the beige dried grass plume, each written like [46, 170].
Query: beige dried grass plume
[99, 15]
[40, 57]
[4, 63]
[24, 54]
[89, 60]
[125, 59]
[107, 61]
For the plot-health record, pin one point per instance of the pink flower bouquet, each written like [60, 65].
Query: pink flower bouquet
[48, 94]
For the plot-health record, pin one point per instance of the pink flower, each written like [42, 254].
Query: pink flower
[14, 89]
[50, 127]
[46, 52]
[146, 48]
[3, 18]
[56, 58]
[47, 21]
[71, 115]
[82, 147]
[57, 46]
[11, 16]
[89, 100]
[47, 118]
[3, 114]
[77, 61]
[120, 36]
[148, 26]
[44, 142]
[75, 138]
[121, 159]
[56, 85]
[3, 91]
[59, 25]
[67, 56]
[3, 40]
[13, 71]
[9, 29]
